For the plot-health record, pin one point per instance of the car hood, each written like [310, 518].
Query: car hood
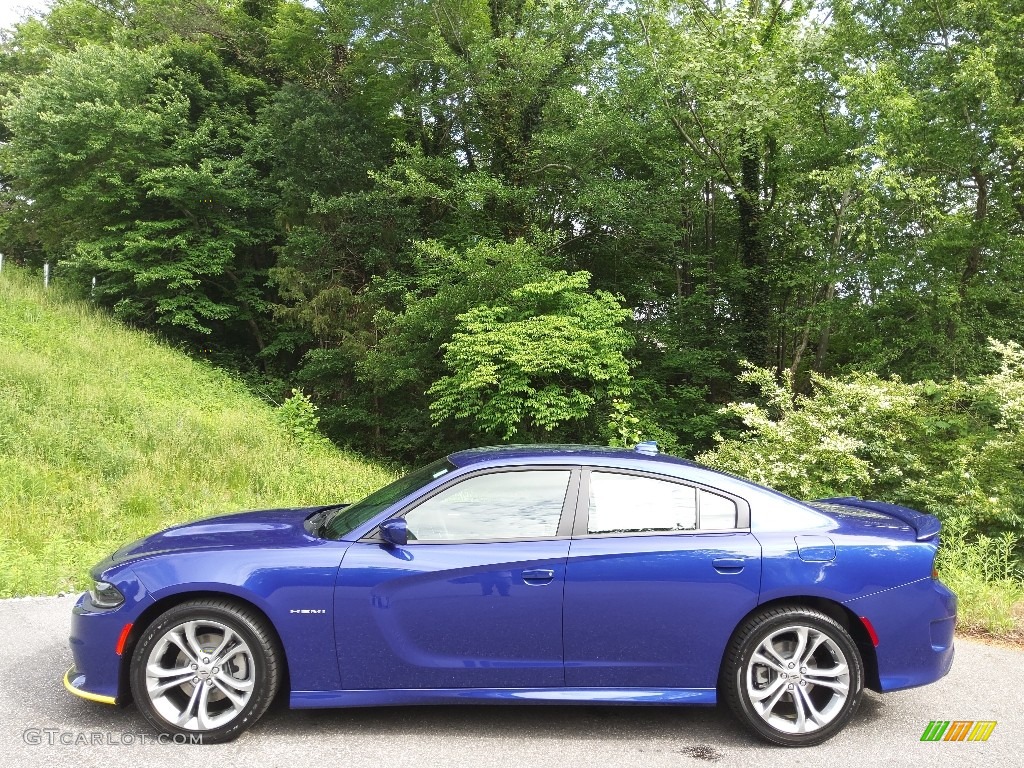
[262, 529]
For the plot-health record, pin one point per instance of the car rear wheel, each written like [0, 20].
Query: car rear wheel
[205, 668]
[793, 676]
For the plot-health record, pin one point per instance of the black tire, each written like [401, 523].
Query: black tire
[788, 696]
[250, 668]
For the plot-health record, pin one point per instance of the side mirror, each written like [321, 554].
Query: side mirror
[395, 531]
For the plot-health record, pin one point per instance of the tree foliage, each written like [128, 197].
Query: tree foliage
[550, 355]
[391, 204]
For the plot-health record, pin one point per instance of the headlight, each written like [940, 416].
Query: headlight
[104, 595]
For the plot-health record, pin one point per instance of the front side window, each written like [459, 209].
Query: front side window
[504, 505]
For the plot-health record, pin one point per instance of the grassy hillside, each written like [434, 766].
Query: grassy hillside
[107, 435]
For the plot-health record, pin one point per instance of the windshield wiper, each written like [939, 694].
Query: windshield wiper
[321, 519]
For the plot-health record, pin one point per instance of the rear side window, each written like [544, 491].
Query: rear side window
[637, 504]
[634, 504]
[716, 512]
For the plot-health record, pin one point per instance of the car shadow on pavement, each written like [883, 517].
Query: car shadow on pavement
[652, 723]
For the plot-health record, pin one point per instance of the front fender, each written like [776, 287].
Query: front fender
[294, 589]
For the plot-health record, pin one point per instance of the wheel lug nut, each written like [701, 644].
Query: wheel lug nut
[207, 661]
[790, 686]
[216, 670]
[803, 670]
[803, 682]
[196, 680]
[783, 675]
[791, 665]
[195, 666]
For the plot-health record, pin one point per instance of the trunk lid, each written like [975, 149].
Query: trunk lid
[925, 526]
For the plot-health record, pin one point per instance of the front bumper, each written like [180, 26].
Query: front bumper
[75, 682]
[97, 639]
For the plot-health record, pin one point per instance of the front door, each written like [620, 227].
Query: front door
[474, 600]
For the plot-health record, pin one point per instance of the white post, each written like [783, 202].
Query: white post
[46, 275]
[92, 293]
[1, 262]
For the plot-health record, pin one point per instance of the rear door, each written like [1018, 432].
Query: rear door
[659, 574]
[475, 598]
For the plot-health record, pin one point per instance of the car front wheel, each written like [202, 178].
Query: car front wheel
[793, 675]
[206, 668]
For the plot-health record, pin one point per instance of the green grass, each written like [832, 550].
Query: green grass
[984, 573]
[107, 435]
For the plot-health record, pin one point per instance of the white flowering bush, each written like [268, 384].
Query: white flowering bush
[849, 436]
[1006, 386]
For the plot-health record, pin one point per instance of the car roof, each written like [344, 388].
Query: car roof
[612, 457]
[567, 454]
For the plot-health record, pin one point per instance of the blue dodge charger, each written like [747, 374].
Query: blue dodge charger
[524, 574]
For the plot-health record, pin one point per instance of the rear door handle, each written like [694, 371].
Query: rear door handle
[538, 575]
[728, 564]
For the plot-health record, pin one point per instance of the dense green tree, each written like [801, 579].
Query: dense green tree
[130, 161]
[938, 89]
[361, 197]
[551, 355]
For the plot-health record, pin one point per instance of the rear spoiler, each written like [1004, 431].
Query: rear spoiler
[926, 526]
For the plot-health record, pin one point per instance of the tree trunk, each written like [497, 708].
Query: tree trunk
[826, 329]
[830, 289]
[755, 304]
[975, 253]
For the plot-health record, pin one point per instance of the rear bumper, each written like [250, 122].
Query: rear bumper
[915, 625]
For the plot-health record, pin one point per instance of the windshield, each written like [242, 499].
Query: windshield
[347, 519]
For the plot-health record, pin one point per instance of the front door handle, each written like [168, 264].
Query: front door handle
[538, 575]
[728, 564]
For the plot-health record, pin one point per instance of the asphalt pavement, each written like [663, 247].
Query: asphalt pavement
[43, 725]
